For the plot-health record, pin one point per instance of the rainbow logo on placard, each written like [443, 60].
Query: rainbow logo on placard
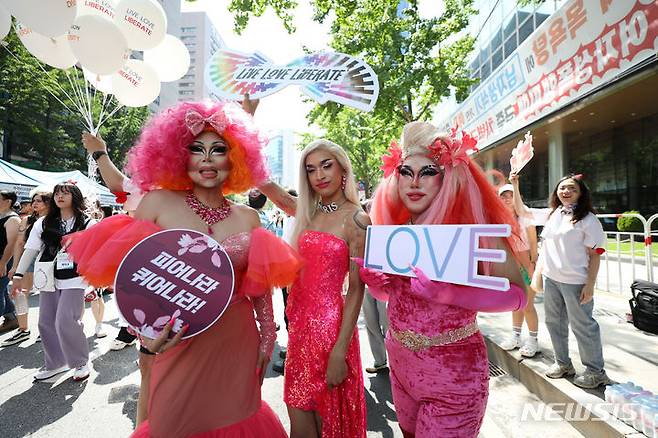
[322, 76]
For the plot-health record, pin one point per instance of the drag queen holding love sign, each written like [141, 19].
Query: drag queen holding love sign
[439, 367]
[187, 159]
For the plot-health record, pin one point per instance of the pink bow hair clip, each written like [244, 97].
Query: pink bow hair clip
[196, 123]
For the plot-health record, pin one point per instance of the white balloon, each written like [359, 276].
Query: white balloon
[56, 52]
[170, 59]
[136, 84]
[50, 18]
[99, 82]
[5, 22]
[98, 44]
[143, 22]
[103, 8]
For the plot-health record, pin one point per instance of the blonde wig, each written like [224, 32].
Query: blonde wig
[307, 201]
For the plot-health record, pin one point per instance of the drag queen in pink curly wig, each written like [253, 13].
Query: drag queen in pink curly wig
[159, 158]
[186, 160]
[439, 368]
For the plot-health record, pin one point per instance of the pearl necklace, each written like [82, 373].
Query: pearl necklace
[207, 214]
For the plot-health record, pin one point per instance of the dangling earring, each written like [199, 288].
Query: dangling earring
[343, 182]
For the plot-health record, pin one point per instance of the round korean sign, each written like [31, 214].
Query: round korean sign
[176, 273]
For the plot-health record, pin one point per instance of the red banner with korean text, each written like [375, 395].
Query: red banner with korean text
[581, 47]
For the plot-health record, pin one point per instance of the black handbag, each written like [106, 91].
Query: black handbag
[644, 305]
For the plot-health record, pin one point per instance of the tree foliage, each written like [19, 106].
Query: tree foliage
[419, 61]
[39, 131]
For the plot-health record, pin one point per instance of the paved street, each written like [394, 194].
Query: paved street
[104, 405]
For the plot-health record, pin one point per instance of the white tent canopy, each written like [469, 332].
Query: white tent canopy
[22, 180]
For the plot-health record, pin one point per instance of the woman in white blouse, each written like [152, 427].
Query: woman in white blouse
[573, 241]
[61, 306]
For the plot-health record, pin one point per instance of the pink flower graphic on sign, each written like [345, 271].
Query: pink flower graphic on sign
[198, 245]
[153, 331]
[216, 260]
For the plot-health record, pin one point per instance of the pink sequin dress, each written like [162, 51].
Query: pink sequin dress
[440, 391]
[315, 312]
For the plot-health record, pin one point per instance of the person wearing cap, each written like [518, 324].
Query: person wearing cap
[526, 249]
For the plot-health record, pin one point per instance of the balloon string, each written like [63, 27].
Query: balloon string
[110, 114]
[102, 111]
[43, 84]
[91, 116]
[83, 100]
[76, 92]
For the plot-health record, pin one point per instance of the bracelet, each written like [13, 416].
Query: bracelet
[97, 154]
[17, 275]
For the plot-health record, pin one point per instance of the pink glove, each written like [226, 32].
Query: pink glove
[379, 283]
[471, 298]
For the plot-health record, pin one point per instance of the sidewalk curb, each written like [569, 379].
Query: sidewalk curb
[530, 372]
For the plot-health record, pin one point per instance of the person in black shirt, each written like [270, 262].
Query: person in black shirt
[9, 223]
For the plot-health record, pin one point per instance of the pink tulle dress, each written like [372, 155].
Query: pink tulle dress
[440, 391]
[315, 313]
[206, 386]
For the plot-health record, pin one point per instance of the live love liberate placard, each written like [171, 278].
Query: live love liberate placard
[174, 273]
[323, 76]
[448, 253]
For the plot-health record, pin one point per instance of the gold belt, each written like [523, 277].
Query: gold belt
[418, 342]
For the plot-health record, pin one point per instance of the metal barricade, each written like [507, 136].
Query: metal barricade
[620, 260]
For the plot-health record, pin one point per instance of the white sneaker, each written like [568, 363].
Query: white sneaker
[81, 373]
[44, 374]
[120, 345]
[100, 333]
[529, 348]
[511, 344]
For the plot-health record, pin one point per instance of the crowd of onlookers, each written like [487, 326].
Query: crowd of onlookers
[30, 240]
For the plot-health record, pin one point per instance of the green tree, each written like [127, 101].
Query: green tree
[419, 61]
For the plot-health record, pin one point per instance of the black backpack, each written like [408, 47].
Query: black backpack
[644, 305]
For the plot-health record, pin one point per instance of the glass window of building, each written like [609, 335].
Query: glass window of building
[188, 29]
[496, 59]
[486, 71]
[510, 45]
[510, 26]
[496, 41]
[526, 28]
[186, 92]
[620, 165]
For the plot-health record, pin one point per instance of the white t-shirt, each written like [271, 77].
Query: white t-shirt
[524, 243]
[539, 215]
[565, 246]
[288, 228]
[34, 242]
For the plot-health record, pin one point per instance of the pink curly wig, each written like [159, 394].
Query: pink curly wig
[465, 197]
[159, 158]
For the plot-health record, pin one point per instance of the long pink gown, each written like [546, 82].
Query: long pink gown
[206, 386]
[315, 313]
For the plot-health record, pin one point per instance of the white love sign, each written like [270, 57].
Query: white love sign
[448, 253]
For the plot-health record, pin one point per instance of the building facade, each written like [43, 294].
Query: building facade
[283, 158]
[169, 90]
[200, 36]
[582, 77]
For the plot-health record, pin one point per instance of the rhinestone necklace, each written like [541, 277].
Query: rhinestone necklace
[331, 207]
[207, 214]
